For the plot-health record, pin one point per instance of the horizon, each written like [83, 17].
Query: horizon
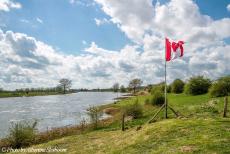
[96, 43]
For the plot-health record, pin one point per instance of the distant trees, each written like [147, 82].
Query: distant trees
[122, 89]
[197, 85]
[177, 86]
[51, 89]
[65, 84]
[115, 87]
[134, 84]
[221, 87]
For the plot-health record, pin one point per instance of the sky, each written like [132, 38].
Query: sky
[96, 43]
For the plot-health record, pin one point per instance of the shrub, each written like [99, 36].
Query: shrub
[210, 106]
[94, 114]
[177, 86]
[160, 87]
[147, 101]
[122, 88]
[169, 89]
[22, 134]
[135, 110]
[197, 85]
[158, 98]
[221, 87]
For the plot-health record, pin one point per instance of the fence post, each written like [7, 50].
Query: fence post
[225, 106]
[123, 122]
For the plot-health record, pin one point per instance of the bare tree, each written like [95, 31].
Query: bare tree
[66, 84]
[115, 87]
[134, 84]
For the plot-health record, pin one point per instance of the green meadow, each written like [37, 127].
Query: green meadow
[199, 129]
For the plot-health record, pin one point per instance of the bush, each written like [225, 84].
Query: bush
[221, 87]
[197, 85]
[177, 86]
[158, 98]
[94, 114]
[22, 134]
[135, 110]
[169, 89]
[147, 101]
[123, 89]
[158, 87]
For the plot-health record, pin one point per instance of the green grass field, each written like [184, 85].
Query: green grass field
[201, 130]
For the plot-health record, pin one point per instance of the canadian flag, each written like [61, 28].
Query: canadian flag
[173, 50]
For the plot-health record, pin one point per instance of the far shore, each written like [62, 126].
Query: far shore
[32, 94]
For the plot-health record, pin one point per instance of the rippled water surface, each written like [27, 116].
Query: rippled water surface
[50, 111]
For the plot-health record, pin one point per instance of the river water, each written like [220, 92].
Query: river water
[50, 111]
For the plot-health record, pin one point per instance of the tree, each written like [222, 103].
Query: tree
[177, 86]
[197, 85]
[122, 88]
[221, 87]
[115, 87]
[65, 84]
[134, 84]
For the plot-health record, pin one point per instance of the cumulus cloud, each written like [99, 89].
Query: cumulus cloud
[39, 20]
[30, 62]
[228, 7]
[100, 22]
[6, 5]
[148, 25]
[131, 20]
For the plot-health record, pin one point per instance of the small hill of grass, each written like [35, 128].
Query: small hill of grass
[201, 129]
[167, 136]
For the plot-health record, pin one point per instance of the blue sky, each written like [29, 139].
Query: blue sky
[98, 42]
[65, 25]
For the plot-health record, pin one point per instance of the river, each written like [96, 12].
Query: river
[50, 111]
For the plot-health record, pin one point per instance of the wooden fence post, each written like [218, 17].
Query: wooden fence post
[123, 122]
[225, 106]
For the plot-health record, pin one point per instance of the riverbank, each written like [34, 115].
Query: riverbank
[201, 122]
[30, 94]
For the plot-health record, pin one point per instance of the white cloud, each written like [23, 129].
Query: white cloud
[30, 62]
[82, 3]
[148, 25]
[132, 16]
[228, 7]
[100, 22]
[6, 5]
[39, 20]
[25, 21]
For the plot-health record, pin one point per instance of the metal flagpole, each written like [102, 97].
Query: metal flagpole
[166, 103]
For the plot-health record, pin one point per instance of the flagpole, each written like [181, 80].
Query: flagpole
[166, 103]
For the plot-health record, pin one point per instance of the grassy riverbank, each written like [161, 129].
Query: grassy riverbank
[201, 129]
[24, 94]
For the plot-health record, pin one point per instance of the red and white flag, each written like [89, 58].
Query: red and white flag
[173, 50]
